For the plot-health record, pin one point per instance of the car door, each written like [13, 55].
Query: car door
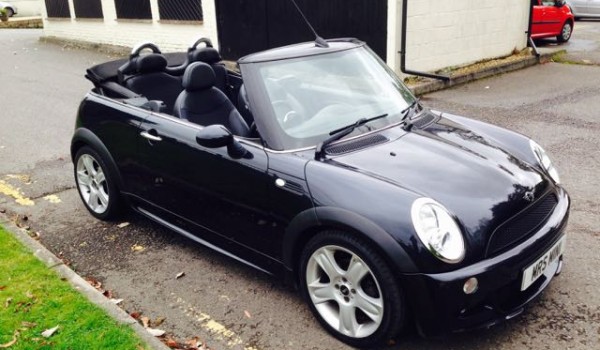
[593, 7]
[579, 6]
[551, 17]
[203, 190]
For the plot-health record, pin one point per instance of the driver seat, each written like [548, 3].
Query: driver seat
[202, 103]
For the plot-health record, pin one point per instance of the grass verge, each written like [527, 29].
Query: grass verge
[34, 299]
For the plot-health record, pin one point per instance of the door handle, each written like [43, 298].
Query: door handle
[151, 137]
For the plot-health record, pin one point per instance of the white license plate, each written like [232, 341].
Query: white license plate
[537, 269]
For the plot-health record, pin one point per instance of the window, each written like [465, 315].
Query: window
[88, 8]
[133, 9]
[58, 8]
[180, 10]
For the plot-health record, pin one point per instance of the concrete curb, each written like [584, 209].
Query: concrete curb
[432, 85]
[23, 23]
[94, 296]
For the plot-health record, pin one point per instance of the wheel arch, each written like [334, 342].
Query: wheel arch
[309, 223]
[85, 137]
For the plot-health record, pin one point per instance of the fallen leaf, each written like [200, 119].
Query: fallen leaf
[12, 342]
[29, 295]
[172, 343]
[156, 332]
[8, 302]
[2, 287]
[159, 321]
[108, 294]
[145, 321]
[135, 315]
[116, 301]
[49, 332]
[247, 313]
[95, 283]
[123, 224]
[28, 324]
[137, 248]
[179, 275]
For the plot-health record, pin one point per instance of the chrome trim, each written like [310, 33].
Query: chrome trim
[150, 136]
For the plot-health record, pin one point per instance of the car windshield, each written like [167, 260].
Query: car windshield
[315, 95]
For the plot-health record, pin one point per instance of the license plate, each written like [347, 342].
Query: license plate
[537, 269]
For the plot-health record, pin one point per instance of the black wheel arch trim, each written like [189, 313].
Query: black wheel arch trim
[86, 137]
[331, 218]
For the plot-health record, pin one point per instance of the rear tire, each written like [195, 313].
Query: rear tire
[96, 184]
[565, 33]
[351, 290]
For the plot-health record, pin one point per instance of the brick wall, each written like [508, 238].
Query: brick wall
[168, 36]
[445, 33]
[441, 33]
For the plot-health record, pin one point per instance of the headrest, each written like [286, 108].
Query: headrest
[198, 76]
[151, 63]
[206, 54]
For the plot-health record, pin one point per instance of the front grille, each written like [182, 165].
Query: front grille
[519, 228]
[355, 145]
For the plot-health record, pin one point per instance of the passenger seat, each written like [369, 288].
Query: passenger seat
[151, 81]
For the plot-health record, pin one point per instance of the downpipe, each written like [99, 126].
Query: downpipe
[402, 51]
[530, 42]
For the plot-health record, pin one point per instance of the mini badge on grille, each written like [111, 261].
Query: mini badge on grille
[529, 196]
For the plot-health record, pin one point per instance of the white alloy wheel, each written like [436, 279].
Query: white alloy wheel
[92, 184]
[344, 291]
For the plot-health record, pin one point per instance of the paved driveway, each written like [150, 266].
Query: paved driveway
[234, 307]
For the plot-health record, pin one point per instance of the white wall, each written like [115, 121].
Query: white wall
[445, 33]
[28, 8]
[125, 32]
[441, 33]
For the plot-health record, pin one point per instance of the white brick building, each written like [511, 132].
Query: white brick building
[440, 33]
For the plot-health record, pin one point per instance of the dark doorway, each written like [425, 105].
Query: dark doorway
[247, 26]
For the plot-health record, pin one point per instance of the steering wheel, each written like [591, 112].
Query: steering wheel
[291, 117]
[135, 52]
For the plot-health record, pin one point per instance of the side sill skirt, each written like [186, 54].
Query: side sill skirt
[199, 240]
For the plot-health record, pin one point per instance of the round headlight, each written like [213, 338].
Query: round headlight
[438, 230]
[544, 160]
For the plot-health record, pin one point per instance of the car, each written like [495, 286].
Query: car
[11, 10]
[585, 8]
[314, 163]
[552, 19]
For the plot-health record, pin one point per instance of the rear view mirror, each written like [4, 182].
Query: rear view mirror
[214, 136]
[217, 136]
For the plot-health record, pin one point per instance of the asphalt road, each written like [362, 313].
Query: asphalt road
[234, 307]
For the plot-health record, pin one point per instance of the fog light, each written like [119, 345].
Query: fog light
[471, 285]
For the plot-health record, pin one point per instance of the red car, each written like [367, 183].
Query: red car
[552, 19]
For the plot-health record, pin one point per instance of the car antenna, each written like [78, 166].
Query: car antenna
[319, 42]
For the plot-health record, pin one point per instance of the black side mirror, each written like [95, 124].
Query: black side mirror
[560, 3]
[217, 136]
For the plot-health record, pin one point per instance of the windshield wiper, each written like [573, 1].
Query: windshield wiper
[343, 131]
[406, 112]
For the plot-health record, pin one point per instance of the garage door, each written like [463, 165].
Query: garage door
[247, 26]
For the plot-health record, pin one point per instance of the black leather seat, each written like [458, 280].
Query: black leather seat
[202, 103]
[212, 57]
[151, 81]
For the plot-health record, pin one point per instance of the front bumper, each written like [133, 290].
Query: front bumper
[440, 306]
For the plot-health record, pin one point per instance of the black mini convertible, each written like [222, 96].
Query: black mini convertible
[314, 163]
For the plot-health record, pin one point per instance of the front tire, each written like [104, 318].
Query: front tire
[9, 12]
[351, 290]
[96, 184]
[565, 33]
